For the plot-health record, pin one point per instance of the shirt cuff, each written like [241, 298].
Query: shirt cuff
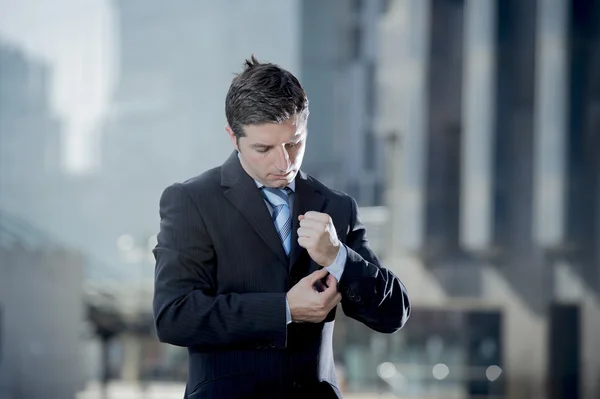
[288, 313]
[338, 265]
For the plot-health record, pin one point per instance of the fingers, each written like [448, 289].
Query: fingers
[331, 291]
[313, 306]
[306, 232]
[331, 303]
[313, 222]
[335, 299]
[310, 243]
[316, 276]
[316, 225]
[320, 286]
[311, 228]
[305, 242]
[331, 280]
[317, 216]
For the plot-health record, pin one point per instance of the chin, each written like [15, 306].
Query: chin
[279, 183]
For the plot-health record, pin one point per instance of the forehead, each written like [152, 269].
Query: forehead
[273, 133]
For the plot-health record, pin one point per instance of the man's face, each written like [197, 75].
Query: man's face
[272, 153]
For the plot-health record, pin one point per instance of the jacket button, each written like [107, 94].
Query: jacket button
[351, 294]
[272, 344]
[358, 298]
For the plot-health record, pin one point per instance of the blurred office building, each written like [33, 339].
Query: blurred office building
[41, 314]
[30, 135]
[43, 301]
[491, 111]
[41, 306]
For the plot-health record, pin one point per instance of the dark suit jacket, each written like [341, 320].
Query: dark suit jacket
[221, 280]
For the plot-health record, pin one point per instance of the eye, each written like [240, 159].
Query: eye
[262, 150]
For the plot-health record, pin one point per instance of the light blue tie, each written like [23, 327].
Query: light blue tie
[282, 217]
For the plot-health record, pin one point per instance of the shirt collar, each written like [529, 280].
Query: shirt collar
[291, 186]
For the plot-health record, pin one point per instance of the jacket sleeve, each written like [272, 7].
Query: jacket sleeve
[371, 294]
[187, 309]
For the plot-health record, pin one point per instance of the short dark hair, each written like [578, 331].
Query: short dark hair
[263, 93]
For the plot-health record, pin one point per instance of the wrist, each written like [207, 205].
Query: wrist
[334, 254]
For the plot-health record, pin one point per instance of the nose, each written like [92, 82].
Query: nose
[283, 159]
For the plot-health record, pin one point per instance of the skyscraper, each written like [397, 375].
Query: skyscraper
[30, 136]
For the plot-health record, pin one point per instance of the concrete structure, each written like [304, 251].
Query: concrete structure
[493, 128]
[41, 315]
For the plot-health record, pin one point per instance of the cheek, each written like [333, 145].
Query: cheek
[298, 155]
[258, 162]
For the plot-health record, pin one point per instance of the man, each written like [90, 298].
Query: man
[254, 256]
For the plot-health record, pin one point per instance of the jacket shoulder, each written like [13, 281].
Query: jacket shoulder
[197, 186]
[208, 179]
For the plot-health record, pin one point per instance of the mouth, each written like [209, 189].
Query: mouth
[283, 176]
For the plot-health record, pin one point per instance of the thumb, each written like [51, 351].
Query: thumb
[300, 217]
[317, 275]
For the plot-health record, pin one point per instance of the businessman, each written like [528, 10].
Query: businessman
[254, 256]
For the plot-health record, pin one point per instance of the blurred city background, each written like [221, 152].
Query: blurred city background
[467, 130]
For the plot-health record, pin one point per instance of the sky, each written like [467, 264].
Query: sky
[76, 38]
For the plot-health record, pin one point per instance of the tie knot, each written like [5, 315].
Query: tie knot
[276, 196]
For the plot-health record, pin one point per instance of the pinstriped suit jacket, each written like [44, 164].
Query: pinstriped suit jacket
[221, 279]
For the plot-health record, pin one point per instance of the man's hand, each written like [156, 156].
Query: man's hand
[317, 234]
[307, 304]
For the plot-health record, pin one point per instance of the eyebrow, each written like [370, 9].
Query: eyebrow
[260, 145]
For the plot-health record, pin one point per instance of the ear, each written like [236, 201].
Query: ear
[232, 137]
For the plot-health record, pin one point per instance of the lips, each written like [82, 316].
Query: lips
[284, 175]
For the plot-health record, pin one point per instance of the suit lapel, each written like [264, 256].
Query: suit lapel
[243, 193]
[306, 198]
